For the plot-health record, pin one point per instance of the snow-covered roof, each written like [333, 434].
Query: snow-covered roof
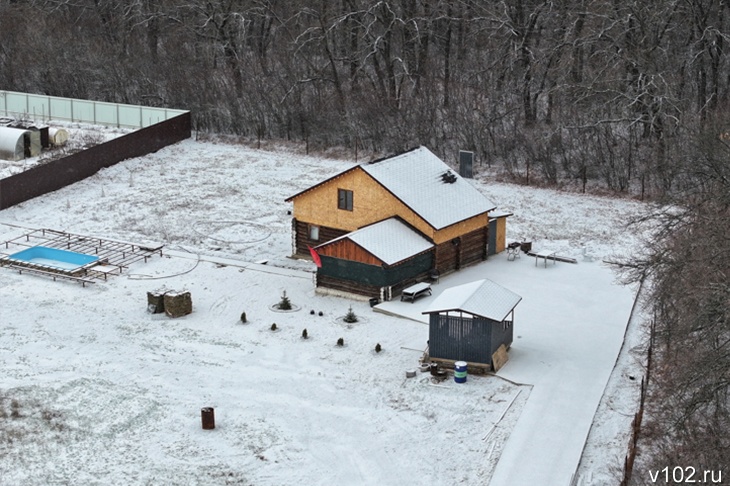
[482, 298]
[389, 240]
[499, 213]
[415, 177]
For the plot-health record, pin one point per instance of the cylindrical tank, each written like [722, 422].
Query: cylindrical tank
[207, 414]
[460, 372]
[57, 136]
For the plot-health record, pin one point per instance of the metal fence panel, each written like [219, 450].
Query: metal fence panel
[45, 108]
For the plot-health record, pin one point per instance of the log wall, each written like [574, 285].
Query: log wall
[302, 241]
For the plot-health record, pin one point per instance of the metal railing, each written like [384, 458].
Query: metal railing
[43, 108]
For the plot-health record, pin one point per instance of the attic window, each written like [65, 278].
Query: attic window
[448, 177]
[344, 199]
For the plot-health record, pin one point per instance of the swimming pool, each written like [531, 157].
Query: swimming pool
[52, 259]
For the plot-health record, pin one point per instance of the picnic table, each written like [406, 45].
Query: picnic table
[415, 291]
[545, 254]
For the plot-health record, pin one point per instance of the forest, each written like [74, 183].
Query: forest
[623, 96]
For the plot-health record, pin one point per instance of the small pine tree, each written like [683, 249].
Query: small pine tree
[378, 348]
[311, 312]
[243, 317]
[305, 335]
[350, 316]
[273, 327]
[284, 303]
[321, 313]
[340, 342]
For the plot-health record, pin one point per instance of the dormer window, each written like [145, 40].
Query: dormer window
[344, 199]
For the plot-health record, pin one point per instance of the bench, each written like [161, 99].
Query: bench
[415, 291]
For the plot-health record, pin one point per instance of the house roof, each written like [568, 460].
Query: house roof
[482, 298]
[415, 177]
[390, 240]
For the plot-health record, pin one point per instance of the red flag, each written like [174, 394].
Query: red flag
[315, 257]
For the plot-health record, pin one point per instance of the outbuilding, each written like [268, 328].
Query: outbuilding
[470, 322]
[15, 143]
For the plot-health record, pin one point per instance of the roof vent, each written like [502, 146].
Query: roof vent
[448, 177]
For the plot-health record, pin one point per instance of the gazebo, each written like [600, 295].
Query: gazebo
[470, 322]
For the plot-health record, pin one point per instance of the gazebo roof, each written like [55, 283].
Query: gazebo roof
[482, 298]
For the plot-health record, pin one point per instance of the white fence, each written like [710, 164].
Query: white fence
[45, 108]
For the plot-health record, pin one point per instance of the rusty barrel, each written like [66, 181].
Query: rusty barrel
[207, 415]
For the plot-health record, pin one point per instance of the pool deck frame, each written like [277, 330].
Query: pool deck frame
[114, 256]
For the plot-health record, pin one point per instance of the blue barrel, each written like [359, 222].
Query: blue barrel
[460, 372]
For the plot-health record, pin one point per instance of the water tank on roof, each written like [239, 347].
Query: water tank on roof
[57, 136]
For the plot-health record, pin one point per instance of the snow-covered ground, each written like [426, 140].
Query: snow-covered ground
[97, 391]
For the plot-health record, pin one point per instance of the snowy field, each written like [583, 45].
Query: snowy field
[97, 391]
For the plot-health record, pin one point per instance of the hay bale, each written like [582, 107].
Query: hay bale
[178, 304]
[156, 302]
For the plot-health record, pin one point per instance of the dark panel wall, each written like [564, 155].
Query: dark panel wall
[374, 275]
[60, 173]
[501, 334]
[461, 338]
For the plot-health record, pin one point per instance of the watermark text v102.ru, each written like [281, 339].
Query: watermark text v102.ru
[688, 474]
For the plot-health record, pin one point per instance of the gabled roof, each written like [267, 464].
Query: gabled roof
[482, 298]
[390, 240]
[416, 178]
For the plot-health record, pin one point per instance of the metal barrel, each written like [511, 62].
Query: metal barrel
[460, 372]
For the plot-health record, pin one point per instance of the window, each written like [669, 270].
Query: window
[344, 199]
[313, 232]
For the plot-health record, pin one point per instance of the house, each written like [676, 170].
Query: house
[470, 322]
[419, 193]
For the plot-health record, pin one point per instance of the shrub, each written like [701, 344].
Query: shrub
[311, 312]
[273, 327]
[350, 317]
[340, 342]
[378, 348]
[321, 313]
[284, 303]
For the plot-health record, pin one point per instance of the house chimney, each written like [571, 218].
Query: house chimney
[466, 160]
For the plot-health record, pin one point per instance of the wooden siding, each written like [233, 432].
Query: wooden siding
[303, 242]
[459, 252]
[473, 247]
[447, 257]
[371, 203]
[346, 249]
[461, 228]
[501, 242]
